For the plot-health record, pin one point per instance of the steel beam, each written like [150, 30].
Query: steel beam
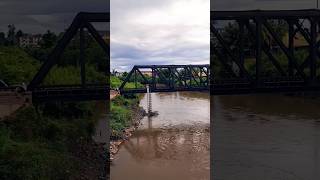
[82, 19]
[173, 80]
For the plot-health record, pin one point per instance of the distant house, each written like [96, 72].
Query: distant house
[147, 73]
[30, 40]
[105, 35]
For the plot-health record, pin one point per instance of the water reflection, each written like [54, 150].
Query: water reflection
[173, 145]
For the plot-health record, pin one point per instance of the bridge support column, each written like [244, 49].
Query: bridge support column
[241, 45]
[313, 50]
[82, 60]
[258, 49]
[154, 86]
[291, 45]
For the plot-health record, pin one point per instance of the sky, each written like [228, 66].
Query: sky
[147, 32]
[37, 16]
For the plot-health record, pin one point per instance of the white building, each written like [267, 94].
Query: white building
[30, 40]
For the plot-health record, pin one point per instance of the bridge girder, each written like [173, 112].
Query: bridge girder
[81, 21]
[255, 32]
[79, 92]
[167, 78]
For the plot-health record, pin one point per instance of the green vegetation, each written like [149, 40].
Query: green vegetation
[115, 82]
[71, 75]
[122, 113]
[16, 65]
[42, 145]
[46, 142]
[122, 108]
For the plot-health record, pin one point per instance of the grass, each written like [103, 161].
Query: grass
[16, 65]
[122, 112]
[41, 145]
[122, 107]
[115, 82]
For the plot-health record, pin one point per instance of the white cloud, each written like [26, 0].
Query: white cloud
[159, 32]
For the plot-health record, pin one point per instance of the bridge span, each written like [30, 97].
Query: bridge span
[249, 55]
[167, 78]
[258, 51]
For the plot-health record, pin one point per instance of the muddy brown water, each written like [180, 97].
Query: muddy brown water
[256, 137]
[173, 145]
[265, 137]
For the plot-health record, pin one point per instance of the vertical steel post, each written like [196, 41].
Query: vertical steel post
[241, 45]
[258, 49]
[291, 45]
[201, 80]
[154, 86]
[171, 78]
[135, 78]
[190, 76]
[82, 60]
[313, 49]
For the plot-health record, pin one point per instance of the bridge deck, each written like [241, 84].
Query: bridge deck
[70, 93]
[276, 14]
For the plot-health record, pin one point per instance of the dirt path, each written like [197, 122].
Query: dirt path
[113, 94]
[10, 102]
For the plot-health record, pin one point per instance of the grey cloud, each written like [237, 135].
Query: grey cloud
[39, 15]
[151, 32]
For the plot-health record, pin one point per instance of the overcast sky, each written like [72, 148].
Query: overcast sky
[36, 16]
[159, 32]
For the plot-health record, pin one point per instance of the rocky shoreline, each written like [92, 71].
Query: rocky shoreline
[93, 160]
[115, 143]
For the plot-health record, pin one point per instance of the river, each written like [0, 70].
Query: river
[256, 137]
[265, 137]
[173, 145]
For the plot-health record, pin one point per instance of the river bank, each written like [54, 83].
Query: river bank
[128, 125]
[52, 141]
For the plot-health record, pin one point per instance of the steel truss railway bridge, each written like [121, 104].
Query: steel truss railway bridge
[73, 92]
[294, 67]
[255, 58]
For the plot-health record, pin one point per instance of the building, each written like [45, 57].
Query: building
[147, 73]
[105, 35]
[28, 40]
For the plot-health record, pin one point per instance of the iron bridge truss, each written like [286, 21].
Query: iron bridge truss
[75, 92]
[256, 33]
[166, 78]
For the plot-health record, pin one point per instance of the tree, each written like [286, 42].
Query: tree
[11, 34]
[49, 39]
[114, 72]
[2, 38]
[124, 75]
